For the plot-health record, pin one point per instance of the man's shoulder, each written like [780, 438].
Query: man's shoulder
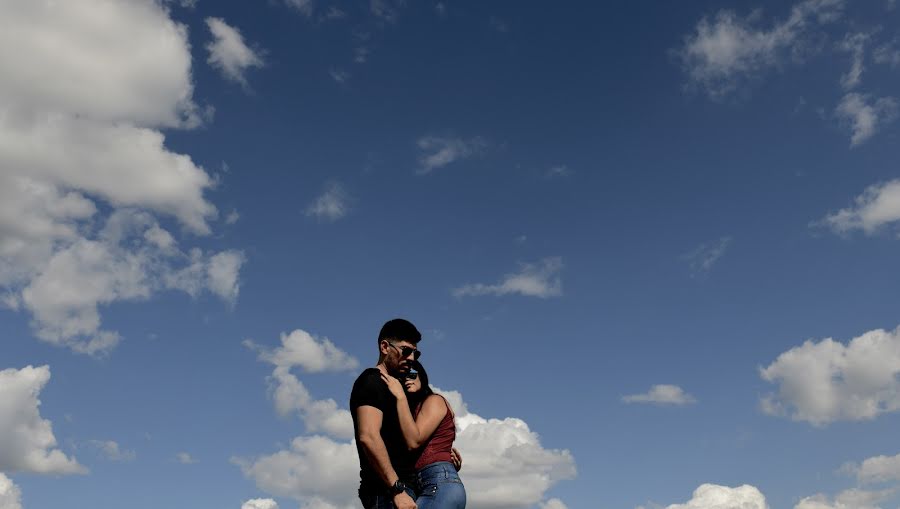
[367, 376]
[367, 385]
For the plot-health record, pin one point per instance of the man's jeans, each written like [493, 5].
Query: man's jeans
[381, 501]
[440, 487]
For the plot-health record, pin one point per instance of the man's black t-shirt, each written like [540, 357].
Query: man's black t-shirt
[369, 389]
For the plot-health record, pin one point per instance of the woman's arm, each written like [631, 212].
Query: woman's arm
[416, 432]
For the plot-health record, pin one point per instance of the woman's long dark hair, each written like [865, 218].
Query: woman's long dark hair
[415, 399]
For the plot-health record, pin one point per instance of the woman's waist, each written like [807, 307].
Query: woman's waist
[439, 470]
[433, 455]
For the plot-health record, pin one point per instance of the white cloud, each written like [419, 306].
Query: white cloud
[728, 49]
[79, 128]
[112, 451]
[185, 458]
[505, 466]
[876, 469]
[331, 205]
[223, 270]
[865, 115]
[312, 355]
[303, 6]
[706, 255]
[387, 10]
[855, 45]
[229, 53]
[712, 496]
[129, 259]
[877, 206]
[361, 54]
[232, 217]
[848, 499]
[559, 171]
[828, 381]
[887, 54]
[553, 503]
[437, 152]
[314, 469]
[334, 13]
[108, 61]
[27, 443]
[10, 494]
[533, 280]
[290, 395]
[339, 75]
[662, 395]
[260, 503]
[122, 164]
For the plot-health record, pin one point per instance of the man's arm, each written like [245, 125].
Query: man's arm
[369, 421]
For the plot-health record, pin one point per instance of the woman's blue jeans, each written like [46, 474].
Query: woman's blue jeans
[439, 487]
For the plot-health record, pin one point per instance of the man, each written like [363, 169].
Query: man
[387, 468]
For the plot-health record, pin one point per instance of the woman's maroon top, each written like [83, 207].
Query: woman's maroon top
[438, 446]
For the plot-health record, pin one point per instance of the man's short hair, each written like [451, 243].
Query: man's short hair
[400, 330]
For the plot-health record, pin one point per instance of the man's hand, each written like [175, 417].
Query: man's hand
[456, 459]
[404, 501]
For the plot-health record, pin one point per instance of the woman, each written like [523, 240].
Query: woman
[427, 424]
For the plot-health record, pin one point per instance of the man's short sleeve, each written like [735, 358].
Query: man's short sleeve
[369, 389]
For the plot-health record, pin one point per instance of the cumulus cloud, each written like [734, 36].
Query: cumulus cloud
[437, 152]
[130, 258]
[712, 496]
[143, 78]
[828, 381]
[865, 115]
[553, 503]
[702, 259]
[662, 395]
[27, 443]
[725, 50]
[312, 355]
[80, 135]
[185, 458]
[505, 466]
[877, 469]
[331, 205]
[112, 451]
[877, 206]
[10, 494]
[314, 469]
[848, 499]
[260, 503]
[229, 53]
[533, 280]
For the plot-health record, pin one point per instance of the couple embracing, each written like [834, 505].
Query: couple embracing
[404, 431]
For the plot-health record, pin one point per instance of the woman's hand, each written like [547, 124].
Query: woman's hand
[394, 386]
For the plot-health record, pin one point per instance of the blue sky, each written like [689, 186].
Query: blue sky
[650, 247]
